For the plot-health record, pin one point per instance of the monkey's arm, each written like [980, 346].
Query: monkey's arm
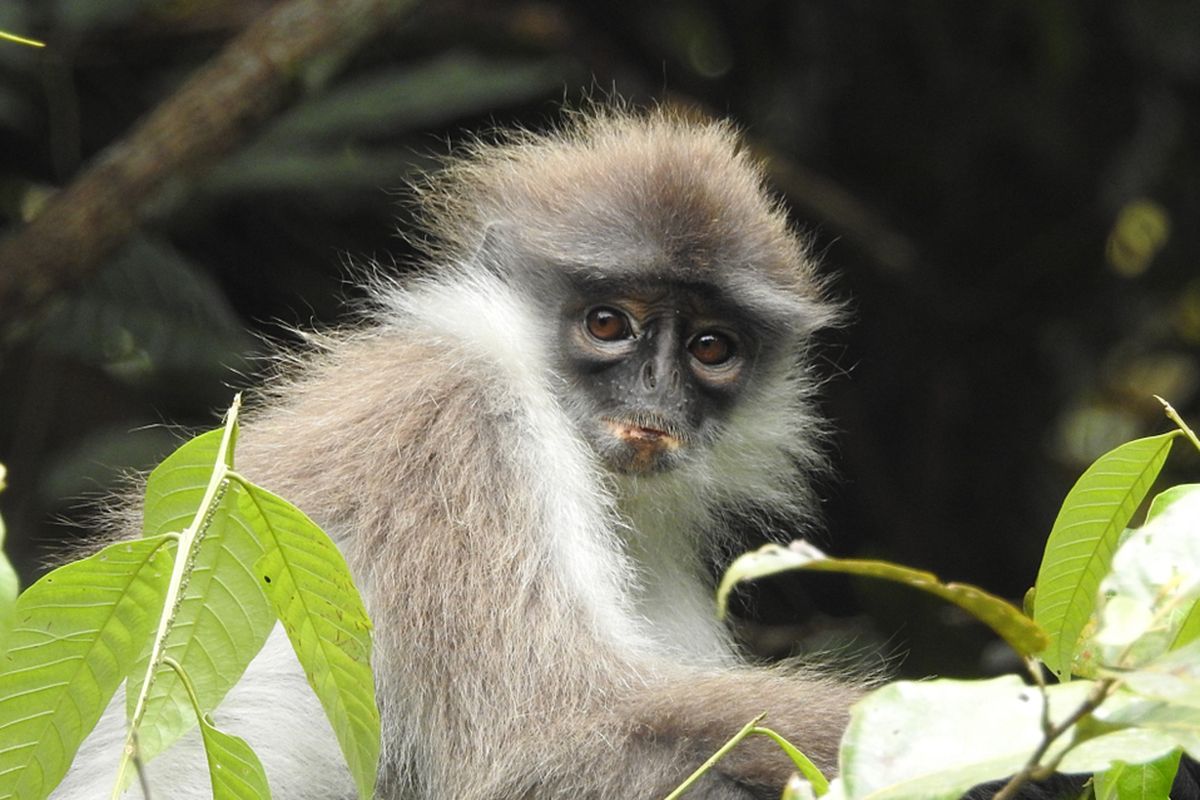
[703, 710]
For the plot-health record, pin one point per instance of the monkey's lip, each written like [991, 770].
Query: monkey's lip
[643, 436]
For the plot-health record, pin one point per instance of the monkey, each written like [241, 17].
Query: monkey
[530, 451]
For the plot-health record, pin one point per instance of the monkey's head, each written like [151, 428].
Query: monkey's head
[654, 366]
[676, 287]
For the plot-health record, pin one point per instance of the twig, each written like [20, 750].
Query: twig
[210, 113]
[746, 730]
[12, 37]
[1033, 768]
[1173, 415]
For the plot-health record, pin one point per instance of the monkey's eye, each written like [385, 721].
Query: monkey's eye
[712, 348]
[608, 324]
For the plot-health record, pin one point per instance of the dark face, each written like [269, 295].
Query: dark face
[652, 370]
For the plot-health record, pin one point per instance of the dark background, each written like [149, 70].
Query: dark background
[1007, 191]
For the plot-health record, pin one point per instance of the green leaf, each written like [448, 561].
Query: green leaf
[1001, 616]
[1099, 750]
[149, 311]
[413, 98]
[1137, 781]
[1164, 500]
[234, 769]
[813, 776]
[1153, 585]
[1173, 677]
[78, 632]
[901, 738]
[176, 487]
[295, 153]
[1179, 723]
[1189, 627]
[223, 618]
[77, 16]
[310, 587]
[1081, 544]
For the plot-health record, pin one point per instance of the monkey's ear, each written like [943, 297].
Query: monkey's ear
[502, 252]
[497, 250]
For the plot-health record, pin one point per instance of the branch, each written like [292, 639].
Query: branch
[213, 111]
[1033, 769]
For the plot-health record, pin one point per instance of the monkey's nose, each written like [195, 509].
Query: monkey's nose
[649, 380]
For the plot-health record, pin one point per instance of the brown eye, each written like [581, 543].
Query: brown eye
[608, 325]
[712, 349]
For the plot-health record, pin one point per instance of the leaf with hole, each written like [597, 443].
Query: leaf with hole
[309, 585]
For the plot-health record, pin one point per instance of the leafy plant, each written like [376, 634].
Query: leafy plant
[179, 614]
[1114, 615]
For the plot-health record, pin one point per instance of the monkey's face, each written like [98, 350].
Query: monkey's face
[652, 370]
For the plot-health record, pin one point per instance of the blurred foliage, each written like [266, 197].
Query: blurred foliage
[1036, 159]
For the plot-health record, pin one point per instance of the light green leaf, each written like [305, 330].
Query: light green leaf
[234, 769]
[1153, 585]
[1081, 544]
[310, 587]
[1129, 745]
[813, 777]
[1164, 500]
[176, 487]
[898, 739]
[1177, 722]
[1001, 616]
[1137, 781]
[1189, 624]
[1173, 677]
[78, 632]
[223, 618]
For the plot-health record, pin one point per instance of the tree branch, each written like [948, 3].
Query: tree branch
[215, 109]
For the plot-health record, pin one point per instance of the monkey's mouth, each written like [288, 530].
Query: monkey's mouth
[647, 445]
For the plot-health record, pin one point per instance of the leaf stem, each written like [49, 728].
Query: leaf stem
[806, 767]
[1033, 768]
[715, 757]
[167, 661]
[1173, 415]
[175, 589]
